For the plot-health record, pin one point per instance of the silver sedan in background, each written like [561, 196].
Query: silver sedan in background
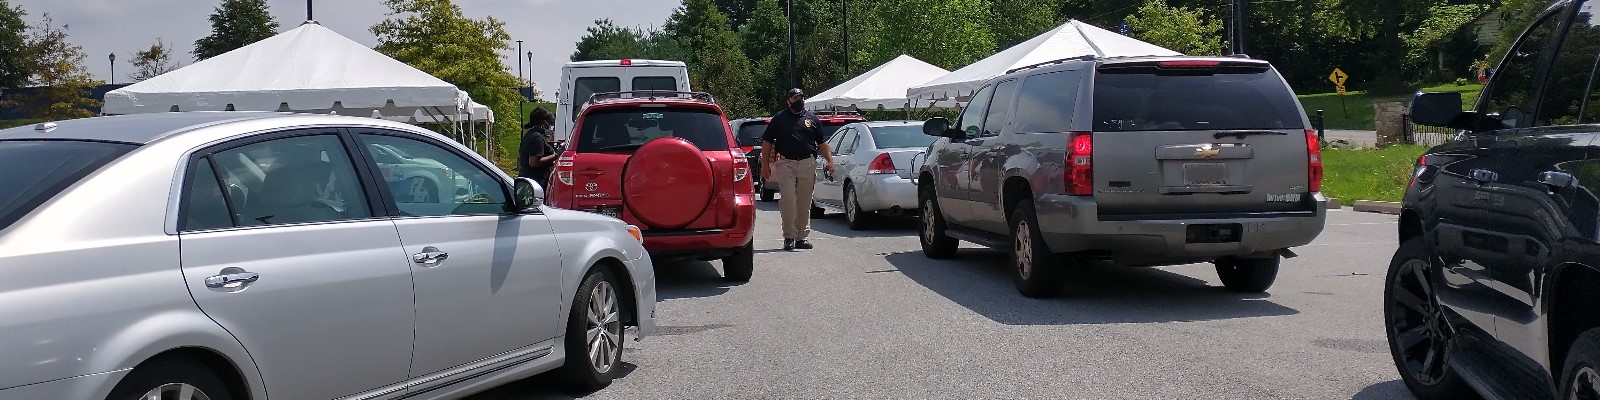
[232, 255]
[873, 178]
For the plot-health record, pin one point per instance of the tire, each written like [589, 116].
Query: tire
[1037, 271]
[853, 216]
[935, 243]
[817, 212]
[582, 372]
[169, 376]
[766, 195]
[1418, 313]
[741, 265]
[1582, 371]
[1248, 275]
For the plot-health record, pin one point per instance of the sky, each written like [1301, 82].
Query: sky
[548, 28]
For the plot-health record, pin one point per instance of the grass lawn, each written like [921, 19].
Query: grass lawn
[1359, 105]
[1368, 174]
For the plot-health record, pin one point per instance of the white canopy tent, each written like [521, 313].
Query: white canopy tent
[882, 87]
[1072, 39]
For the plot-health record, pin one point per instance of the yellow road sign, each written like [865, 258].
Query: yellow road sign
[1338, 77]
[1341, 90]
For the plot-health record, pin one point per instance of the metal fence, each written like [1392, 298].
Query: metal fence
[1426, 135]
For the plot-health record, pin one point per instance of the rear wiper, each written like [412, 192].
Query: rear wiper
[620, 147]
[1242, 133]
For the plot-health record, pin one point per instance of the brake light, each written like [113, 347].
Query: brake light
[1079, 175]
[627, 62]
[882, 164]
[1189, 64]
[1416, 171]
[564, 169]
[741, 166]
[1314, 161]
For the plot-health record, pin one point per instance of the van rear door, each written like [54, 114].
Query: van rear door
[1186, 139]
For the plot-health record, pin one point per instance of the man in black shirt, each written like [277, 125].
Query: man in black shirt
[536, 157]
[789, 149]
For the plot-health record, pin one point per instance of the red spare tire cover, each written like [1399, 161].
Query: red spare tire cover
[667, 183]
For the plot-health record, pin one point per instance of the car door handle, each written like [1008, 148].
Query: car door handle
[1484, 176]
[429, 256]
[233, 280]
[1557, 180]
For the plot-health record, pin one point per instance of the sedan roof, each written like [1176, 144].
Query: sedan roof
[136, 129]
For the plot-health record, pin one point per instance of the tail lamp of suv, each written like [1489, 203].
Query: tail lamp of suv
[881, 164]
[741, 166]
[564, 168]
[1078, 178]
[1314, 159]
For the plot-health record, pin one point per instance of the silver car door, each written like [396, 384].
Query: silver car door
[487, 282]
[297, 266]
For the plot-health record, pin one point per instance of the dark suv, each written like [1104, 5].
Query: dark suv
[1494, 286]
[1144, 161]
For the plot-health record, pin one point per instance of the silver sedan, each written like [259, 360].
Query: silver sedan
[234, 255]
[873, 164]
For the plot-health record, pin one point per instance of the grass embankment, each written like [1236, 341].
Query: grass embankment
[1356, 110]
[1368, 174]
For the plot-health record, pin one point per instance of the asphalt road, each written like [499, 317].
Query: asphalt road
[865, 315]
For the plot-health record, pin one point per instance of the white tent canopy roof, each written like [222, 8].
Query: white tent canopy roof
[1073, 39]
[882, 86]
[310, 68]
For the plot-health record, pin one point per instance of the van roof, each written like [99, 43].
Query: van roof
[618, 63]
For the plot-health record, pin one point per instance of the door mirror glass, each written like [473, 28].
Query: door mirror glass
[527, 194]
[939, 126]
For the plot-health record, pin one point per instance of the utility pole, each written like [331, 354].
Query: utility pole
[788, 6]
[1244, 26]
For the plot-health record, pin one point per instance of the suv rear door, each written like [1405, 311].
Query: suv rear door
[606, 138]
[1190, 138]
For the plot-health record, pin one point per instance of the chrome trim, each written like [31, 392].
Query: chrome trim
[442, 378]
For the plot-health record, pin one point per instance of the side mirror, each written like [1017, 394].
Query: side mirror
[526, 194]
[1444, 110]
[940, 126]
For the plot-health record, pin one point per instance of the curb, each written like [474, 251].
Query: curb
[1333, 204]
[1382, 207]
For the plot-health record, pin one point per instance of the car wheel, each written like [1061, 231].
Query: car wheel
[817, 212]
[741, 265]
[766, 195]
[1036, 270]
[421, 190]
[1420, 337]
[1248, 275]
[1581, 376]
[594, 333]
[170, 379]
[935, 243]
[853, 216]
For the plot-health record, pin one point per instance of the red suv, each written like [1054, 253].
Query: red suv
[667, 163]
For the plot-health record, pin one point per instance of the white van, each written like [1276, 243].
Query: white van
[579, 80]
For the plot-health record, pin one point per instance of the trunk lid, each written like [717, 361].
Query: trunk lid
[607, 140]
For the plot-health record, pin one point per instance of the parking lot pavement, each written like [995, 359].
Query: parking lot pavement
[865, 315]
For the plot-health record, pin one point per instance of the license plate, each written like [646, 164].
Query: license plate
[612, 212]
[1205, 174]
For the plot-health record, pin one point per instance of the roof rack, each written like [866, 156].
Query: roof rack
[1086, 57]
[652, 95]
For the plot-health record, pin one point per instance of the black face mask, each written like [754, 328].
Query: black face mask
[797, 106]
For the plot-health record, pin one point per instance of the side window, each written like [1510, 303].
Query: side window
[847, 145]
[292, 180]
[1514, 86]
[834, 142]
[1047, 102]
[427, 180]
[972, 118]
[583, 88]
[204, 206]
[999, 113]
[1570, 74]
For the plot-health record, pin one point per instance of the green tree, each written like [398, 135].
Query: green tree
[739, 12]
[1442, 23]
[435, 37]
[14, 65]
[1016, 21]
[149, 63]
[717, 64]
[1518, 15]
[1181, 29]
[235, 24]
[946, 33]
[58, 68]
[606, 41]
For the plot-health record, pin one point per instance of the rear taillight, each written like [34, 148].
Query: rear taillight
[882, 164]
[1079, 176]
[741, 166]
[1314, 161]
[1417, 170]
[564, 169]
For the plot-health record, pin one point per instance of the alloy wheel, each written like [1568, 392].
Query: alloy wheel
[1585, 384]
[850, 207]
[1023, 249]
[604, 328]
[928, 224]
[175, 391]
[1418, 328]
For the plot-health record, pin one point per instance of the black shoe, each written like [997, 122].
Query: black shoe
[803, 245]
[788, 245]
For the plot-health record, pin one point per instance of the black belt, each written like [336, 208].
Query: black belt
[799, 158]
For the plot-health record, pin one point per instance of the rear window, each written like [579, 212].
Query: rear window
[34, 171]
[625, 129]
[583, 88]
[655, 83]
[750, 133]
[1145, 98]
[900, 137]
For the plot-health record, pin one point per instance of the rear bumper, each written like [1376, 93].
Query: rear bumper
[1072, 223]
[690, 242]
[885, 192]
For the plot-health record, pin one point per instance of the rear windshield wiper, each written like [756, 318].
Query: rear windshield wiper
[1242, 133]
[620, 147]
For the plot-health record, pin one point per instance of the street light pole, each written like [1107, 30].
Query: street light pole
[530, 73]
[520, 111]
[844, 17]
[113, 68]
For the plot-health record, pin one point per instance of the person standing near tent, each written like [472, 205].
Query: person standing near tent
[536, 157]
[789, 149]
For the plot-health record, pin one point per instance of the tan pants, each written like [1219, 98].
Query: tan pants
[796, 179]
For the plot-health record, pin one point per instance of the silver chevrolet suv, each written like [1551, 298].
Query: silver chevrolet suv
[1148, 161]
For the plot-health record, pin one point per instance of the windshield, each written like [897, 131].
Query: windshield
[900, 137]
[1149, 99]
[34, 171]
[750, 133]
[626, 129]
